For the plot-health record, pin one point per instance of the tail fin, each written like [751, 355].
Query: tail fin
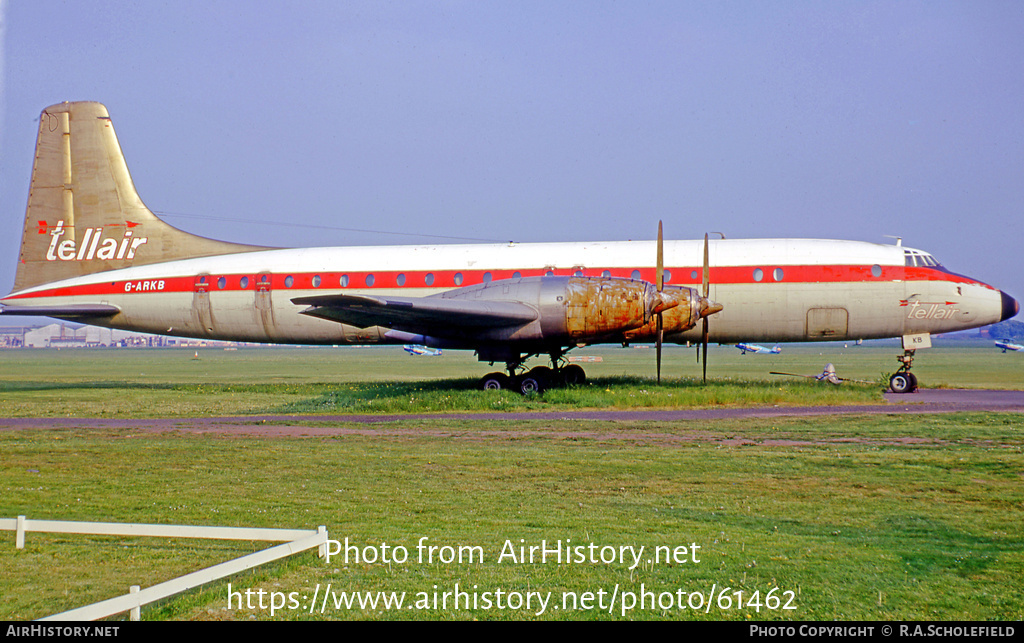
[84, 215]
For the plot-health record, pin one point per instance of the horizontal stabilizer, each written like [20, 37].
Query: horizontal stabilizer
[417, 314]
[67, 310]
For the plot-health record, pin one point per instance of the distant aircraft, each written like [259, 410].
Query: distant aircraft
[757, 348]
[1007, 345]
[419, 349]
[92, 252]
[827, 375]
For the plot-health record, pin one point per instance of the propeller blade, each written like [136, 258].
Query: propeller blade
[704, 343]
[658, 346]
[707, 269]
[661, 286]
[661, 260]
[706, 291]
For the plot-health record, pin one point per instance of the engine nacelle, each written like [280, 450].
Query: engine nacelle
[677, 319]
[579, 310]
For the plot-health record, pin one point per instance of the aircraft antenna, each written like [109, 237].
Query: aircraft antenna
[327, 227]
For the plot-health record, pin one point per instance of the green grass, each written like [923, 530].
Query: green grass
[171, 383]
[862, 517]
[128, 400]
[874, 517]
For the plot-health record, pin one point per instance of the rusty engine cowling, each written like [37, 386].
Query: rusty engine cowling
[578, 310]
[677, 319]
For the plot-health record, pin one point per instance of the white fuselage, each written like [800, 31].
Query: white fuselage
[787, 290]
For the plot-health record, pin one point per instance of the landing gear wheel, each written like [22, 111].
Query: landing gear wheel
[541, 373]
[574, 374]
[530, 384]
[538, 379]
[903, 383]
[495, 382]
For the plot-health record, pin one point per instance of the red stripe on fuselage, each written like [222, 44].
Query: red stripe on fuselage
[448, 279]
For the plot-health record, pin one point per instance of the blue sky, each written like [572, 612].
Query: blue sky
[543, 121]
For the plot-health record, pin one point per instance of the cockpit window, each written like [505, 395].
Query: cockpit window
[918, 258]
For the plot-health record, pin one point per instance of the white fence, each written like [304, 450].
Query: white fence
[297, 540]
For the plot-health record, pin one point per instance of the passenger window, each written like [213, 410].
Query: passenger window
[458, 279]
[635, 275]
[222, 282]
[244, 283]
[429, 279]
[369, 280]
[777, 274]
[517, 275]
[758, 274]
[288, 281]
[316, 281]
[487, 277]
[343, 282]
[401, 280]
[876, 270]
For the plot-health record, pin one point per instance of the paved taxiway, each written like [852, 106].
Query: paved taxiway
[925, 401]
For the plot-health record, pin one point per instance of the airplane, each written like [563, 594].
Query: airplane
[92, 252]
[1007, 345]
[827, 375]
[757, 348]
[419, 349]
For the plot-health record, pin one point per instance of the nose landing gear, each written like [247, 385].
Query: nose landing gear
[903, 381]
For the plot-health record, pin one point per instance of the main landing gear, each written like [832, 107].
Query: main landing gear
[537, 379]
[903, 381]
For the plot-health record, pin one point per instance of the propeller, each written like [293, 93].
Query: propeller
[661, 285]
[668, 300]
[706, 285]
[707, 308]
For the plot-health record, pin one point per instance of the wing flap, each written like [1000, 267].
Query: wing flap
[417, 314]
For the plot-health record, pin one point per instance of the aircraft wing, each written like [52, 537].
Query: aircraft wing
[67, 310]
[418, 314]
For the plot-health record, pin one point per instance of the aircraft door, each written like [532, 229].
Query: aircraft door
[827, 323]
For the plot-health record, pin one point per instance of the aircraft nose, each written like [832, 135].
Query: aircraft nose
[1010, 306]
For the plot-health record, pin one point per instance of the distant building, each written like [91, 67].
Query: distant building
[67, 336]
[13, 336]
